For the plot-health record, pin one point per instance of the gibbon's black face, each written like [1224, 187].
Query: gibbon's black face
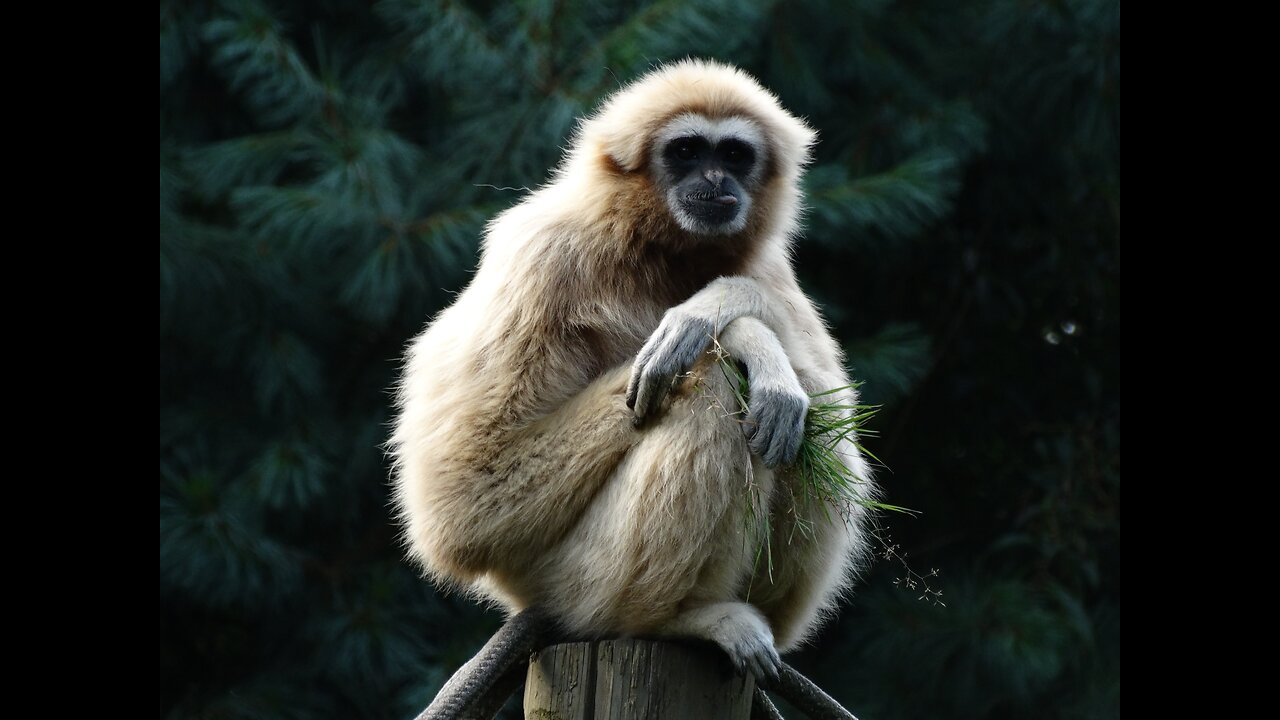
[709, 169]
[707, 176]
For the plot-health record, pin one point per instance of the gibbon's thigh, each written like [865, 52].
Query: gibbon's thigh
[669, 527]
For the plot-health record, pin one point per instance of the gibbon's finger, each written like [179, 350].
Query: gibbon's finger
[653, 387]
[678, 351]
[633, 384]
[643, 390]
[786, 439]
[777, 443]
[648, 363]
[675, 356]
[794, 439]
[758, 431]
[766, 433]
[764, 660]
[688, 347]
[785, 415]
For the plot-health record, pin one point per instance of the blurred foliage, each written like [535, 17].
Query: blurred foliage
[325, 172]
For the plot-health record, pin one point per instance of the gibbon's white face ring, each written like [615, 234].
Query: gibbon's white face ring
[713, 131]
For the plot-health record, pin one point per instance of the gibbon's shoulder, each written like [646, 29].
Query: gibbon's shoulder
[626, 122]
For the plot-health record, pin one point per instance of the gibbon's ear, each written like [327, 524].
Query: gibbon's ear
[627, 121]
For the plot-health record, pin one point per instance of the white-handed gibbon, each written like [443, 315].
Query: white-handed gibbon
[566, 437]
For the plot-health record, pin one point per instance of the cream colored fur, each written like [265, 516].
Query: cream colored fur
[519, 474]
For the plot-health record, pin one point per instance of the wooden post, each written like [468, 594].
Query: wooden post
[634, 680]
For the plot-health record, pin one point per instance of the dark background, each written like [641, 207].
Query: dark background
[325, 172]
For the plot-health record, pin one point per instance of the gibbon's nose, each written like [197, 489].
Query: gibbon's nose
[715, 176]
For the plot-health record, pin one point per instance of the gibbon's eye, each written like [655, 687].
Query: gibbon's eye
[736, 152]
[682, 153]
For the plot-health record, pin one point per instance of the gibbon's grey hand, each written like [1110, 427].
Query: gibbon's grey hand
[775, 425]
[672, 350]
[684, 334]
[778, 404]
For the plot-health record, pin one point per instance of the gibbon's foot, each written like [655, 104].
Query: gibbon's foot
[670, 351]
[740, 630]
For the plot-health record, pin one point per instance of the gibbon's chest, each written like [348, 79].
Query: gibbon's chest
[676, 274]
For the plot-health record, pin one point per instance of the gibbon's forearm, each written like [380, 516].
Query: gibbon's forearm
[778, 404]
[750, 341]
[726, 299]
[503, 502]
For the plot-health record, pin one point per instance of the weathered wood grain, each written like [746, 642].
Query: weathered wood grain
[635, 680]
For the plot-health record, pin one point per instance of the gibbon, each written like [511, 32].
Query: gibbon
[566, 438]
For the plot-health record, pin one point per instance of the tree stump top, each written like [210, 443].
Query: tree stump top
[635, 680]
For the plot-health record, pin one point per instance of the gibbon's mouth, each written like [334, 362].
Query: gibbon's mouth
[711, 210]
[726, 200]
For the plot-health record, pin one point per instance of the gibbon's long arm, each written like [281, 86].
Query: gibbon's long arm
[775, 422]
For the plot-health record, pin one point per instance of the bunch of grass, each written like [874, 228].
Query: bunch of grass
[821, 482]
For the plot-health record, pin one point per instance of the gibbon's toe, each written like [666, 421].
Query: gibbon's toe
[746, 638]
[765, 664]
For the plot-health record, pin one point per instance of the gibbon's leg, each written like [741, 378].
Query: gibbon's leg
[495, 503]
[774, 427]
[811, 566]
[669, 526]
[668, 546]
[815, 549]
